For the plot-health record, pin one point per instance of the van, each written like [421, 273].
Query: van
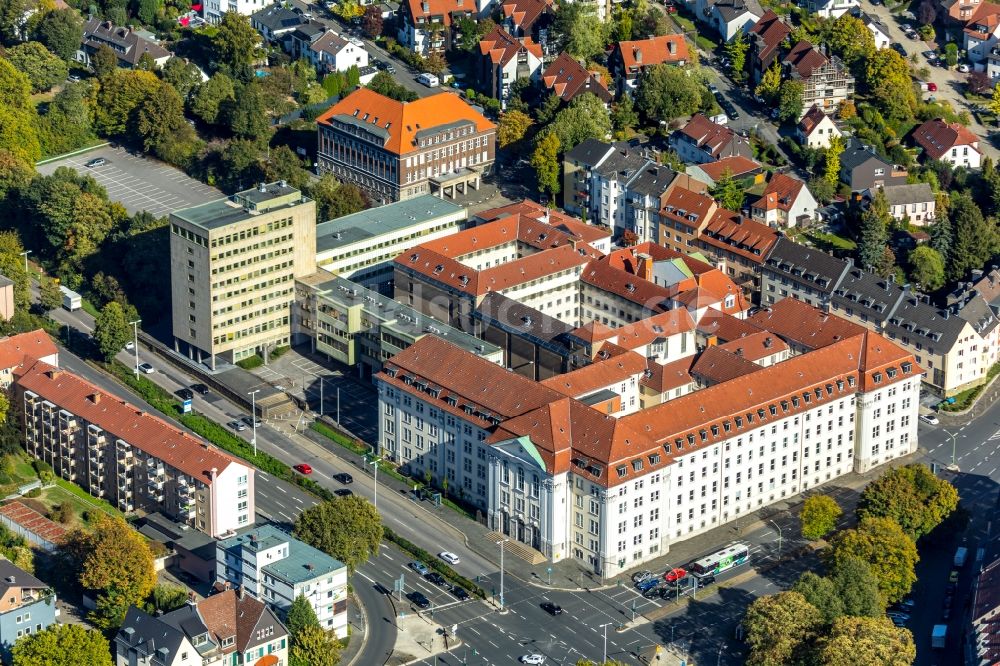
[429, 80]
[720, 119]
[70, 299]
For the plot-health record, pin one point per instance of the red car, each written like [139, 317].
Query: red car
[931, 87]
[303, 468]
[674, 575]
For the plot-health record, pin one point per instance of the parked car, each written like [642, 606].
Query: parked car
[931, 86]
[146, 369]
[898, 48]
[964, 68]
[343, 492]
[96, 162]
[344, 477]
[640, 576]
[418, 599]
[436, 578]
[533, 659]
[419, 567]
[930, 55]
[459, 592]
[238, 426]
[129, 346]
[303, 468]
[674, 575]
[450, 558]
[929, 418]
[551, 608]
[252, 421]
[200, 389]
[906, 605]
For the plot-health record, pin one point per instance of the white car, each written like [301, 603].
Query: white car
[963, 68]
[450, 558]
[129, 346]
[146, 369]
[532, 659]
[929, 418]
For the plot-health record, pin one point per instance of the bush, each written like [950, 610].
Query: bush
[251, 362]
[278, 352]
[34, 492]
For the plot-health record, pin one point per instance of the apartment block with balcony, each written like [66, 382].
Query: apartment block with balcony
[233, 263]
[429, 26]
[825, 79]
[277, 568]
[128, 457]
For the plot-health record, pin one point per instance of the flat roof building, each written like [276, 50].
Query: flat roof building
[233, 263]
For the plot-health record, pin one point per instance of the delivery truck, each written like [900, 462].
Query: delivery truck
[71, 299]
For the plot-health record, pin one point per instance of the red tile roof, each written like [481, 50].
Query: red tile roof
[731, 232]
[645, 331]
[804, 325]
[772, 32]
[666, 377]
[125, 421]
[737, 165]
[399, 122]
[715, 365]
[804, 58]
[937, 137]
[237, 614]
[500, 47]
[756, 346]
[558, 219]
[524, 13]
[654, 51]
[443, 8]
[567, 78]
[814, 116]
[602, 373]
[679, 204]
[34, 522]
[725, 327]
[14, 350]
[709, 136]
[780, 193]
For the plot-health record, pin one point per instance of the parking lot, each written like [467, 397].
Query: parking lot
[137, 182]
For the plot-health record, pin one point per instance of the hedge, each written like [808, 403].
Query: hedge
[355, 447]
[433, 562]
[251, 362]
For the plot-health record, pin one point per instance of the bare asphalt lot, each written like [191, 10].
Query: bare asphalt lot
[139, 183]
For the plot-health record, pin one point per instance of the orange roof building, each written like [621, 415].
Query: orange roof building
[949, 142]
[566, 78]
[398, 150]
[427, 24]
[785, 202]
[631, 58]
[505, 59]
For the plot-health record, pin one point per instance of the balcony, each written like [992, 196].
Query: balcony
[155, 484]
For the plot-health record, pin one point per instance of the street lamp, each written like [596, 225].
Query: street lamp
[605, 628]
[25, 255]
[501, 542]
[374, 463]
[253, 418]
[952, 437]
[779, 536]
[135, 343]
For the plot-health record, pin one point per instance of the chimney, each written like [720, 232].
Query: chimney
[94, 398]
[211, 474]
[644, 267]
[228, 585]
[672, 47]
[239, 592]
[54, 373]
[637, 54]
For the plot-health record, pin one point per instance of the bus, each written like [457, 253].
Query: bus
[733, 555]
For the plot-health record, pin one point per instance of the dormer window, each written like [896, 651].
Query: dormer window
[228, 641]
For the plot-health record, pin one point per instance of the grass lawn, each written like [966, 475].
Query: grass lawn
[827, 241]
[21, 472]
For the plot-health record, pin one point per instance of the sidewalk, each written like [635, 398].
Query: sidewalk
[359, 632]
[419, 638]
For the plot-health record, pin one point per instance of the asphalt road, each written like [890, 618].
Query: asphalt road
[139, 183]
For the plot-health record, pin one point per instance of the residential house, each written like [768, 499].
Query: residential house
[298, 43]
[830, 8]
[23, 349]
[125, 42]
[27, 606]
[643, 193]
[863, 169]
[398, 150]
[981, 32]
[276, 21]
[212, 10]
[684, 213]
[745, 170]
[530, 18]
[738, 246]
[912, 204]
[505, 59]
[609, 184]
[879, 30]
[127, 456]
[578, 165]
[949, 142]
[566, 78]
[701, 140]
[630, 59]
[816, 129]
[231, 627]
[826, 80]
[426, 26]
[277, 568]
[785, 202]
[333, 53]
[6, 298]
[729, 18]
[960, 11]
[985, 616]
[766, 39]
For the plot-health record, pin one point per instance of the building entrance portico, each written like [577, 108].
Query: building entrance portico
[455, 182]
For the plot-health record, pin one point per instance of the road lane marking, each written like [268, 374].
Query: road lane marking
[282, 489]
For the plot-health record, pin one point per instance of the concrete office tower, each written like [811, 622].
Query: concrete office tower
[233, 263]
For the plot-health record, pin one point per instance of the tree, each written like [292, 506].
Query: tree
[384, 84]
[867, 641]
[314, 647]
[43, 68]
[114, 561]
[851, 40]
[49, 295]
[728, 192]
[927, 268]
[62, 645]
[832, 160]
[779, 629]
[472, 31]
[212, 97]
[248, 115]
[104, 62]
[819, 516]
[586, 117]
[166, 598]
[822, 593]
[12, 13]
[335, 199]
[667, 92]
[68, 121]
[578, 31]
[348, 528]
[184, 76]
[790, 100]
[979, 83]
[624, 117]
[736, 50]
[940, 233]
[300, 616]
[371, 22]
[770, 83]
[149, 11]
[435, 64]
[17, 117]
[995, 102]
[61, 31]
[951, 54]
[857, 586]
[887, 77]
[120, 96]
[926, 12]
[12, 266]
[160, 119]
[512, 126]
[236, 43]
[874, 231]
[912, 496]
[545, 161]
[885, 546]
[111, 330]
[976, 238]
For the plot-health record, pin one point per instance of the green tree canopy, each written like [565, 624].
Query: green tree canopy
[213, 97]
[12, 13]
[927, 268]
[49, 295]
[770, 83]
[666, 92]
[43, 68]
[545, 161]
[822, 593]
[512, 126]
[348, 528]
[790, 100]
[183, 76]
[780, 629]
[586, 117]
[883, 544]
[111, 330]
[104, 62]
[248, 114]
[867, 641]
[121, 96]
[831, 171]
[300, 616]
[887, 77]
[61, 31]
[335, 199]
[62, 645]
[68, 123]
[17, 116]
[736, 50]
[314, 647]
[819, 516]
[875, 221]
[852, 41]
[912, 496]
[728, 192]
[160, 119]
[384, 84]
[236, 43]
[578, 31]
[976, 238]
[624, 117]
